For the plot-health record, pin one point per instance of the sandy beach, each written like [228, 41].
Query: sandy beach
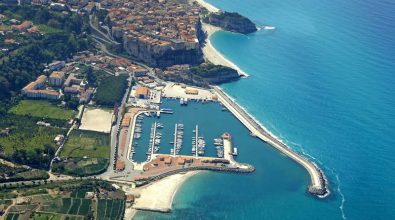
[208, 6]
[158, 196]
[210, 53]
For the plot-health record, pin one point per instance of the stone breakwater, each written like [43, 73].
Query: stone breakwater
[248, 169]
[318, 181]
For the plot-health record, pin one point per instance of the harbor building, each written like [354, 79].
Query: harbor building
[142, 92]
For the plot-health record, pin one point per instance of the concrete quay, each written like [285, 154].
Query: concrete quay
[318, 184]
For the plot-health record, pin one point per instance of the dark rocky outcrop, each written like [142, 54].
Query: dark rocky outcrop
[231, 21]
[202, 75]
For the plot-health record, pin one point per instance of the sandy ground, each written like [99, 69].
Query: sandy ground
[159, 195]
[176, 91]
[210, 53]
[96, 120]
[213, 55]
[208, 6]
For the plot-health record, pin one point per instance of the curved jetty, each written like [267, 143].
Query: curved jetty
[318, 182]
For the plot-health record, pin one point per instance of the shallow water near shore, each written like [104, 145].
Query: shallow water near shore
[323, 83]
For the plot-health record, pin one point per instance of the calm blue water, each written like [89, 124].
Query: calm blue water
[194, 114]
[322, 82]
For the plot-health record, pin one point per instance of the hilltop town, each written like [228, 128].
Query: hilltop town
[160, 33]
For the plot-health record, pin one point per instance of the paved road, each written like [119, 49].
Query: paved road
[115, 139]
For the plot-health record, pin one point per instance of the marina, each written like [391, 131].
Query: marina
[184, 132]
[176, 126]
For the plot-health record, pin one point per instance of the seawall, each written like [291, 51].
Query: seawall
[318, 184]
[249, 169]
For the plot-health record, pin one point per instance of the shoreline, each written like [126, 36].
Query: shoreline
[210, 53]
[159, 195]
[208, 6]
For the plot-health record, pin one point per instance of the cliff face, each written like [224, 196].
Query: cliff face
[163, 55]
[231, 21]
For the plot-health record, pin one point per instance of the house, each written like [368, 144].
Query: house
[126, 121]
[23, 27]
[85, 96]
[130, 198]
[57, 65]
[37, 84]
[56, 78]
[120, 165]
[137, 71]
[71, 90]
[191, 91]
[58, 7]
[168, 160]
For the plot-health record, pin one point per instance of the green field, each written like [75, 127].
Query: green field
[110, 209]
[12, 216]
[46, 216]
[87, 143]
[45, 29]
[41, 109]
[68, 206]
[87, 153]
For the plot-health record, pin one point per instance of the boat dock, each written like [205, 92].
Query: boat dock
[175, 139]
[318, 181]
[153, 141]
[196, 141]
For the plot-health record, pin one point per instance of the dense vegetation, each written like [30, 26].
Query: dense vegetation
[19, 173]
[211, 70]
[25, 142]
[63, 34]
[94, 77]
[231, 21]
[111, 90]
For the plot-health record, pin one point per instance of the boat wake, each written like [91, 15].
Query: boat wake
[341, 207]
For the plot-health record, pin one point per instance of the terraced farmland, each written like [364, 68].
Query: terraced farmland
[110, 209]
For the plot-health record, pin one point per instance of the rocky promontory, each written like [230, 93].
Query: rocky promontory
[202, 75]
[231, 21]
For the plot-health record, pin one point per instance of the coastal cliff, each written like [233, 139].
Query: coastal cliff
[231, 21]
[165, 54]
[202, 75]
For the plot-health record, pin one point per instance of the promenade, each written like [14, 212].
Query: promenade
[318, 182]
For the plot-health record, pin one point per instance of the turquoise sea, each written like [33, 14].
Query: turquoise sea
[323, 82]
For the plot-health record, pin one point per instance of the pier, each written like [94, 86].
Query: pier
[318, 182]
[196, 140]
[175, 139]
